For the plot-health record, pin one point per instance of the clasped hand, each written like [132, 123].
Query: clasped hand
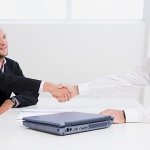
[63, 92]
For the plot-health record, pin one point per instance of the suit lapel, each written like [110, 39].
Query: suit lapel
[7, 69]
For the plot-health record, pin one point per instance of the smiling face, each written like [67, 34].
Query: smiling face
[3, 44]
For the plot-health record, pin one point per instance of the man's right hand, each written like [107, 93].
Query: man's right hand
[61, 94]
[73, 90]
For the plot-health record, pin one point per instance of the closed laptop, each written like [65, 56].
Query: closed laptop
[68, 122]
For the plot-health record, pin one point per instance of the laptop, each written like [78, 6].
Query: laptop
[68, 122]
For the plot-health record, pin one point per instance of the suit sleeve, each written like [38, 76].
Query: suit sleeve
[25, 99]
[19, 84]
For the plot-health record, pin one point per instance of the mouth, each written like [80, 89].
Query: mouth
[3, 48]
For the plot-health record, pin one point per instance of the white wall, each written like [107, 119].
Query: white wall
[146, 17]
[75, 52]
[146, 101]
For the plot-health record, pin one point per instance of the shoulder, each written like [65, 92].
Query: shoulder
[11, 61]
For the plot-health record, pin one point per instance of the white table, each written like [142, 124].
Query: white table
[14, 136]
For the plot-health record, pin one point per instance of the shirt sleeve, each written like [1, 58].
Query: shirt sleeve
[140, 114]
[119, 83]
[131, 115]
[41, 87]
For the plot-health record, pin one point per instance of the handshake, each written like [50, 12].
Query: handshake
[62, 92]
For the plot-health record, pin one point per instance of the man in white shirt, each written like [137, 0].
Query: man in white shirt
[117, 84]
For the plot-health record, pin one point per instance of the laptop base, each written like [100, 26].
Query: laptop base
[67, 130]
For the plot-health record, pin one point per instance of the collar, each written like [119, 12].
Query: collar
[2, 66]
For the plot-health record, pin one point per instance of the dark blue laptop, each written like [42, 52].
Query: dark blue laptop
[68, 122]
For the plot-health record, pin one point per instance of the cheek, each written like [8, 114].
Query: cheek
[6, 42]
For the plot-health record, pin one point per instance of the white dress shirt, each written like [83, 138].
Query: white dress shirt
[119, 84]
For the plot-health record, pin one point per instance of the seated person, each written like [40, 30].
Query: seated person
[12, 80]
[117, 84]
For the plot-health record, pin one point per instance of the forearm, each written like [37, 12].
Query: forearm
[19, 84]
[25, 100]
[8, 104]
[115, 84]
[119, 83]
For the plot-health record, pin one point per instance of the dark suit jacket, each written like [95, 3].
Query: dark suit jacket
[13, 80]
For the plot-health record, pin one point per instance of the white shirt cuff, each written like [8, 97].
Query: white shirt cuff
[41, 87]
[83, 89]
[132, 115]
[17, 103]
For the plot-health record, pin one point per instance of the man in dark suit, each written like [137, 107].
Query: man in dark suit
[12, 80]
[11, 67]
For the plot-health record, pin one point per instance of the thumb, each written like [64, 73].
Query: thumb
[60, 86]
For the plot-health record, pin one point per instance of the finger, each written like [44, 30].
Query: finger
[66, 97]
[106, 113]
[54, 96]
[59, 86]
[69, 96]
[58, 98]
[102, 112]
[62, 98]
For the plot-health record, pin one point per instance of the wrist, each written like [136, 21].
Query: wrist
[76, 90]
[124, 115]
[10, 103]
[47, 87]
[0, 110]
[13, 102]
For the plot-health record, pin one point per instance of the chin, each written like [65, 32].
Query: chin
[3, 55]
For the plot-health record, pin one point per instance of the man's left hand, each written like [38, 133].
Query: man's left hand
[119, 116]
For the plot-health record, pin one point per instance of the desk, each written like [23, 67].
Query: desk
[14, 136]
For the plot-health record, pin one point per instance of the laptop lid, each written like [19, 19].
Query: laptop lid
[68, 119]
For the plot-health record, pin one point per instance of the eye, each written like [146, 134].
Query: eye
[4, 36]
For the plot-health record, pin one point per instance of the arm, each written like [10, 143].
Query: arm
[28, 99]
[139, 114]
[31, 86]
[23, 99]
[119, 83]
[14, 83]
[114, 84]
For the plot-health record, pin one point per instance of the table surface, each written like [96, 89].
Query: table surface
[13, 135]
